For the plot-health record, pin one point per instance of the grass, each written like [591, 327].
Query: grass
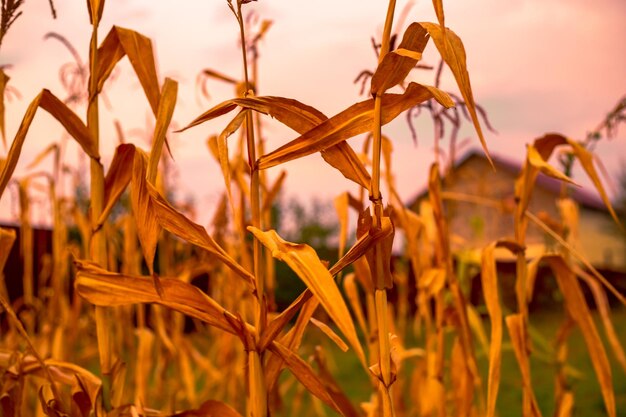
[587, 392]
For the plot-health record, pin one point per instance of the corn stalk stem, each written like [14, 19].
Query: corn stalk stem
[255, 203]
[384, 359]
[98, 251]
[257, 400]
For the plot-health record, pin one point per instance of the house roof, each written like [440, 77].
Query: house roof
[581, 196]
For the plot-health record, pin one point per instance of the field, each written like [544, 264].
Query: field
[587, 392]
[138, 310]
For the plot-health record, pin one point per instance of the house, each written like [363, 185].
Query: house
[474, 225]
[14, 267]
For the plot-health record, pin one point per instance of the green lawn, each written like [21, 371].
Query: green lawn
[588, 398]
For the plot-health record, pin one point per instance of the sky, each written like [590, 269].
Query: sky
[536, 66]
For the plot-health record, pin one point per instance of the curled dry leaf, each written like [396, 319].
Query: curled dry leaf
[303, 260]
[104, 288]
[378, 244]
[148, 229]
[338, 395]
[438, 6]
[292, 113]
[539, 152]
[368, 237]
[70, 121]
[431, 281]
[452, 51]
[178, 224]
[117, 178]
[330, 333]
[96, 6]
[515, 324]
[304, 373]
[604, 308]
[165, 110]
[292, 339]
[352, 292]
[343, 157]
[222, 150]
[121, 42]
[299, 117]
[396, 65]
[578, 309]
[490, 286]
[356, 119]
[277, 324]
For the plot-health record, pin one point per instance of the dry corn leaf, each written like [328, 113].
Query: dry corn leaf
[352, 292]
[98, 7]
[187, 373]
[222, 149]
[330, 333]
[396, 65]
[104, 288]
[70, 121]
[578, 309]
[461, 380]
[218, 76]
[531, 276]
[278, 323]
[335, 391]
[292, 113]
[452, 51]
[291, 340]
[433, 397]
[270, 196]
[489, 277]
[604, 308]
[377, 244]
[117, 178]
[585, 158]
[432, 281]
[356, 119]
[342, 157]
[148, 229]
[299, 117]
[565, 406]
[367, 239]
[438, 6]
[265, 25]
[303, 260]
[178, 224]
[341, 203]
[145, 343]
[65, 373]
[544, 147]
[165, 110]
[52, 148]
[534, 159]
[304, 373]
[478, 327]
[515, 324]
[121, 42]
[4, 79]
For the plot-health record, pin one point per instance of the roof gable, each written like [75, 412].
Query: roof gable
[583, 197]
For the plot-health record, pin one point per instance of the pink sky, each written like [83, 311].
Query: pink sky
[536, 66]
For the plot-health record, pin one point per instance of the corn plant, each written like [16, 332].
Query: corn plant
[130, 354]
